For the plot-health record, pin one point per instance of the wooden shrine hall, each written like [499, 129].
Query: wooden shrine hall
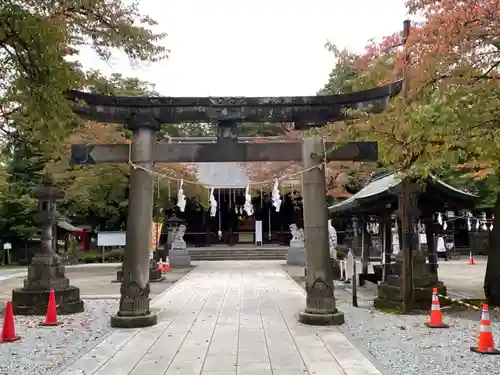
[231, 225]
[377, 203]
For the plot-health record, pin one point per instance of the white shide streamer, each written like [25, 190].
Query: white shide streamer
[248, 207]
[213, 203]
[276, 196]
[181, 198]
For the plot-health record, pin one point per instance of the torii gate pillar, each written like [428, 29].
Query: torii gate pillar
[320, 300]
[134, 301]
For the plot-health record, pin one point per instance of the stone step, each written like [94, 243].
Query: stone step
[239, 257]
[236, 252]
[231, 255]
[284, 251]
[227, 255]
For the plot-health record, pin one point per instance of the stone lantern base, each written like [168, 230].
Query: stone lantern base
[33, 298]
[155, 274]
[389, 294]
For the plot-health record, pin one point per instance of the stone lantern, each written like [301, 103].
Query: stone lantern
[45, 271]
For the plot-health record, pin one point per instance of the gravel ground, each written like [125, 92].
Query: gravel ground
[404, 345]
[42, 350]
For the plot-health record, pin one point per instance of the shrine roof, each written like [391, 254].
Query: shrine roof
[380, 188]
[68, 227]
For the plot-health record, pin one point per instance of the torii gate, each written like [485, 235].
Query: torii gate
[145, 115]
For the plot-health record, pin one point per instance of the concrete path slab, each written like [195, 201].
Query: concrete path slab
[228, 318]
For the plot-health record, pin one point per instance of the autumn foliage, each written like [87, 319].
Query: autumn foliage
[455, 39]
[451, 111]
[450, 119]
[77, 178]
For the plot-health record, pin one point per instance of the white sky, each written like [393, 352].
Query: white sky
[254, 47]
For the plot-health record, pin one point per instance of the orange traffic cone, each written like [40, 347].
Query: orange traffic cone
[471, 259]
[9, 328]
[167, 265]
[485, 343]
[436, 320]
[51, 316]
[160, 265]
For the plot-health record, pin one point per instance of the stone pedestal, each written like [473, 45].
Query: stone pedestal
[389, 294]
[33, 298]
[134, 306]
[155, 274]
[296, 256]
[297, 243]
[46, 272]
[179, 257]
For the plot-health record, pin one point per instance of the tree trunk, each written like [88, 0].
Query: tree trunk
[492, 276]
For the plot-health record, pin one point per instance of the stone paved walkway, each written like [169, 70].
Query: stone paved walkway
[227, 318]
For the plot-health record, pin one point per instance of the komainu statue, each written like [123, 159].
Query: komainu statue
[178, 237]
[297, 236]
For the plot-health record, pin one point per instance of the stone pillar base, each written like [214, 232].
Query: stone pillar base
[296, 256]
[34, 302]
[334, 319]
[155, 276]
[141, 321]
[119, 276]
[179, 257]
